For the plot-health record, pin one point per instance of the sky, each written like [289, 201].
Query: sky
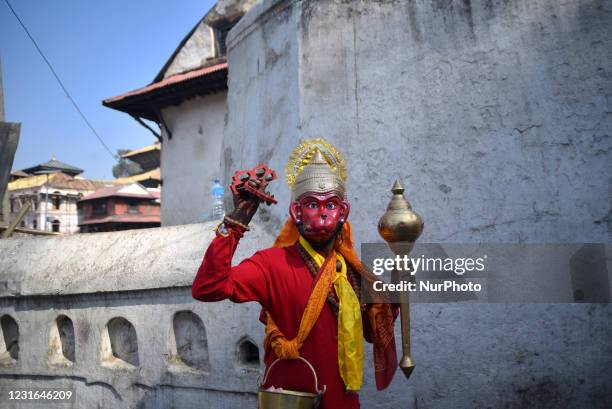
[99, 49]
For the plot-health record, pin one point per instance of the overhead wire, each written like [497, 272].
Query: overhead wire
[59, 81]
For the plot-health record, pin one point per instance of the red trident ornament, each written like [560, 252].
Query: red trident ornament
[255, 182]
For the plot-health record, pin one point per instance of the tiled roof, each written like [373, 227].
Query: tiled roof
[124, 218]
[19, 173]
[154, 174]
[53, 164]
[28, 182]
[145, 102]
[154, 147]
[175, 79]
[148, 157]
[108, 191]
[56, 180]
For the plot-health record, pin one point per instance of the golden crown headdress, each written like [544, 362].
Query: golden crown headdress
[315, 166]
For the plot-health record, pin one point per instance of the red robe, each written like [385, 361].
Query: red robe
[280, 281]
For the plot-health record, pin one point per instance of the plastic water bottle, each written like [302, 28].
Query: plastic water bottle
[218, 209]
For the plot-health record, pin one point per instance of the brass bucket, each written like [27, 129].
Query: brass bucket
[288, 399]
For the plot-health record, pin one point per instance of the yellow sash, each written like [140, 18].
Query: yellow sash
[290, 349]
[350, 328]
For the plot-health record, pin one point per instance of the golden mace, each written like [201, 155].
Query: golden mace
[401, 227]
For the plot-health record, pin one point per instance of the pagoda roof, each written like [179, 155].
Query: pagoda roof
[51, 166]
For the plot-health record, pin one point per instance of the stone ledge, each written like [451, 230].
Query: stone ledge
[107, 262]
[253, 18]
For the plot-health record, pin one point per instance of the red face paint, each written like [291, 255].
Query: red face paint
[319, 215]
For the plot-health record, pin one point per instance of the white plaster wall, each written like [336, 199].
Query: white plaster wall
[67, 214]
[496, 112]
[496, 116]
[194, 53]
[264, 92]
[191, 159]
[228, 9]
[143, 276]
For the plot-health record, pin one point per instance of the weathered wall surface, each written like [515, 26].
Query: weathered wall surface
[197, 49]
[264, 93]
[191, 159]
[179, 352]
[496, 112]
[496, 116]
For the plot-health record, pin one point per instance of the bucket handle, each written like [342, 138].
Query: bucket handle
[314, 373]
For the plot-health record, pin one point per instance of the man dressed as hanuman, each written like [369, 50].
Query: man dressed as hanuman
[308, 284]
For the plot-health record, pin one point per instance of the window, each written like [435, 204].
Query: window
[190, 340]
[15, 204]
[9, 348]
[248, 353]
[132, 206]
[22, 223]
[57, 201]
[61, 342]
[99, 208]
[55, 226]
[119, 345]
[221, 32]
[35, 224]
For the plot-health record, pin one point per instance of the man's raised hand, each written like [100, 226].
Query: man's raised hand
[249, 189]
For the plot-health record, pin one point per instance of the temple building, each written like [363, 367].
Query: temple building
[187, 99]
[148, 158]
[113, 208]
[53, 189]
[52, 166]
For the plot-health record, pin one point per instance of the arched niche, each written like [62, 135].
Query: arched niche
[190, 343]
[9, 340]
[247, 353]
[119, 345]
[62, 342]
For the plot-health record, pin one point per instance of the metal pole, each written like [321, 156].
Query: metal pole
[400, 227]
[46, 201]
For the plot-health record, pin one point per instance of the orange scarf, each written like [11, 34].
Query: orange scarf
[289, 349]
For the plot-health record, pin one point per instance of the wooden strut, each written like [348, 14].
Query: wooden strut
[11, 227]
[143, 123]
[162, 121]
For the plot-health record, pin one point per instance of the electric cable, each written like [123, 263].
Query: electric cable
[59, 81]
